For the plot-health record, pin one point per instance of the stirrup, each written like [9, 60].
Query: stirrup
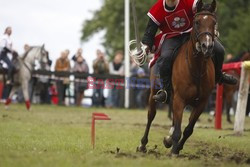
[162, 90]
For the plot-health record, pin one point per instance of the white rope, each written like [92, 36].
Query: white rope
[140, 58]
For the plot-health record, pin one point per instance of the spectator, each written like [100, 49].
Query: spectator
[45, 83]
[116, 96]
[78, 53]
[101, 67]
[229, 58]
[80, 67]
[140, 91]
[62, 64]
[132, 92]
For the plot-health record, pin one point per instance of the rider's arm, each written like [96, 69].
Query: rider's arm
[149, 35]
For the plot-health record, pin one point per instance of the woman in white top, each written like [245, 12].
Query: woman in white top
[5, 49]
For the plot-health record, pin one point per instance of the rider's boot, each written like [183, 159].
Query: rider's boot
[223, 78]
[163, 95]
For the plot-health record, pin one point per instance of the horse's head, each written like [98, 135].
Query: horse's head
[204, 27]
[42, 55]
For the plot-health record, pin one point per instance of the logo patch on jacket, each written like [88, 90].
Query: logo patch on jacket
[178, 21]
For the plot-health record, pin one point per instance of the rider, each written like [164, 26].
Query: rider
[5, 49]
[175, 19]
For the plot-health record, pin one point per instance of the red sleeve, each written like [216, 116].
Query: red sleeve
[156, 12]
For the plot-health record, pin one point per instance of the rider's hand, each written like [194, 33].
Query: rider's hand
[145, 48]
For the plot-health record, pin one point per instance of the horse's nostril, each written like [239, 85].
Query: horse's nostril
[210, 47]
[204, 46]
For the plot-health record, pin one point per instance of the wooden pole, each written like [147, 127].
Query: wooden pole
[219, 102]
[242, 101]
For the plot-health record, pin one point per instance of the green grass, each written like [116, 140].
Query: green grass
[60, 136]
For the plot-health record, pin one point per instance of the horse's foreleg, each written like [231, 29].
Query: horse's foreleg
[151, 116]
[25, 88]
[12, 92]
[195, 114]
[178, 107]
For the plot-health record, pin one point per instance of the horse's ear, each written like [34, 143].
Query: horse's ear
[199, 5]
[43, 46]
[213, 6]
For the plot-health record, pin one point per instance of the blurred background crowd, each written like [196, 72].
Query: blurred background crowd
[68, 91]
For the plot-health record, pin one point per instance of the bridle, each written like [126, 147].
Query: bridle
[197, 34]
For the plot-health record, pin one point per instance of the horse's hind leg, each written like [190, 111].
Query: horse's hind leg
[229, 101]
[151, 116]
[195, 114]
[25, 88]
[178, 107]
[167, 141]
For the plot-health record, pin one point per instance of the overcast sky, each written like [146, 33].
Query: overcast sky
[57, 23]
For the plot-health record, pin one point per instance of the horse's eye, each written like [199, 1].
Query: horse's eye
[197, 24]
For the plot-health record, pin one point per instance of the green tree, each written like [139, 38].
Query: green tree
[234, 25]
[110, 18]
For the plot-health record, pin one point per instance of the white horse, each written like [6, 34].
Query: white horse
[24, 74]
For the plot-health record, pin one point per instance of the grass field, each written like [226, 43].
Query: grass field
[60, 136]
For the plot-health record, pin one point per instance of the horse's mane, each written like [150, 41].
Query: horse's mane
[27, 52]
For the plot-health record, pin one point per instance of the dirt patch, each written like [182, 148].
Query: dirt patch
[151, 152]
[153, 125]
[209, 154]
[215, 154]
[5, 115]
[119, 154]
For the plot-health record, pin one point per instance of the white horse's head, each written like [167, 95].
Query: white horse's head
[36, 53]
[42, 55]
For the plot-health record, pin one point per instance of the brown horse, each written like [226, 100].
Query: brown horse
[195, 84]
[229, 90]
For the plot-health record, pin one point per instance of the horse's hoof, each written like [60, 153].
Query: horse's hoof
[229, 121]
[174, 155]
[175, 152]
[141, 149]
[167, 141]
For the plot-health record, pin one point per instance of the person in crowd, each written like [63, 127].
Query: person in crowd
[78, 53]
[101, 67]
[116, 96]
[140, 91]
[62, 64]
[80, 66]
[45, 83]
[6, 50]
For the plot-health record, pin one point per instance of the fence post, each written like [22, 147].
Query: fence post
[219, 102]
[242, 101]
